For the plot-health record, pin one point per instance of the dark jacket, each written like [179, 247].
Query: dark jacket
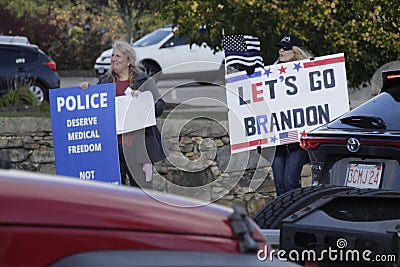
[149, 139]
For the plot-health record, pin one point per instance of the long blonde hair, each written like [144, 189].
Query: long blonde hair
[299, 54]
[127, 50]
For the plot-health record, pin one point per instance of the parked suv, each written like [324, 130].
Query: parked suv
[27, 65]
[361, 148]
[352, 205]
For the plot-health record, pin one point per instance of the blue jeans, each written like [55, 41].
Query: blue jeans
[287, 166]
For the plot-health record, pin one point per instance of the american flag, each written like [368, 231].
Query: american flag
[242, 49]
[288, 137]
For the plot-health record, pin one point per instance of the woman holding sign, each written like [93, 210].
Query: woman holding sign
[289, 159]
[140, 148]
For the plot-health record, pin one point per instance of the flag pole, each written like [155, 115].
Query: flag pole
[226, 69]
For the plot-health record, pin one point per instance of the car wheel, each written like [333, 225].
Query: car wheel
[272, 214]
[39, 91]
[151, 68]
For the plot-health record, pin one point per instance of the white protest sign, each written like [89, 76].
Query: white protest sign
[279, 103]
[134, 113]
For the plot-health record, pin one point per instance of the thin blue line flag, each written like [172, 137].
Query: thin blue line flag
[242, 49]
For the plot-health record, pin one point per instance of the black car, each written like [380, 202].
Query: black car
[352, 207]
[362, 147]
[27, 65]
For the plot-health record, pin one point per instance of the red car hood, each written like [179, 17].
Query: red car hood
[32, 199]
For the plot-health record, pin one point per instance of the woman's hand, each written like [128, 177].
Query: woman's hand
[135, 93]
[84, 85]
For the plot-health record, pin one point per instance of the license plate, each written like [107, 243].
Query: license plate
[363, 175]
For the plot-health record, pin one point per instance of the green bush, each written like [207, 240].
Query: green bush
[20, 102]
[17, 97]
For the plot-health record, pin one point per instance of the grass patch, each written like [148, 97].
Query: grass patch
[36, 111]
[36, 114]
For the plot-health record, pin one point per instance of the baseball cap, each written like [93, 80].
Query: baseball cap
[288, 41]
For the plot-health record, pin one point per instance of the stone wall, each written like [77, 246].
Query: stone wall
[27, 143]
[199, 162]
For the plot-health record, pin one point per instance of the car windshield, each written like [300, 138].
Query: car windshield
[151, 38]
[384, 106]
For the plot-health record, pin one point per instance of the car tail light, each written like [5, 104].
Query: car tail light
[51, 65]
[393, 143]
[393, 76]
[311, 143]
[314, 142]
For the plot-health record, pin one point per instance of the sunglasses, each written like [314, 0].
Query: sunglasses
[286, 48]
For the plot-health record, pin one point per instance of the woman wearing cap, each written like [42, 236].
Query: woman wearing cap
[291, 49]
[289, 159]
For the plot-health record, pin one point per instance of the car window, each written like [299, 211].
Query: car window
[384, 106]
[10, 56]
[176, 41]
[30, 56]
[152, 38]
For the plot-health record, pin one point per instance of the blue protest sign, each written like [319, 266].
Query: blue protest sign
[84, 132]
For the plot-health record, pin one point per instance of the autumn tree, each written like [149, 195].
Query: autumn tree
[130, 12]
[366, 31]
[75, 32]
[71, 32]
